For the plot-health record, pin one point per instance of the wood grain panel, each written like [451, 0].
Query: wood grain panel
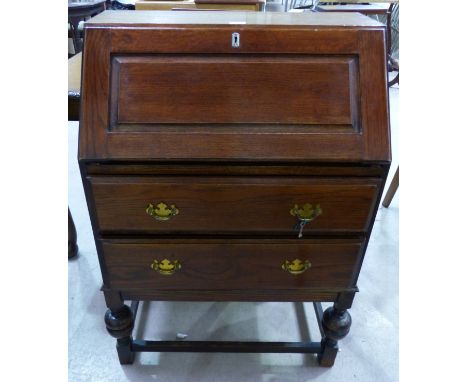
[236, 89]
[232, 205]
[217, 39]
[241, 265]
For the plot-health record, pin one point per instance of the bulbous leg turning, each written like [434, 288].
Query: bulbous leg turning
[119, 324]
[336, 324]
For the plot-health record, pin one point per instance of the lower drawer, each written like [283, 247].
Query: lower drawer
[231, 264]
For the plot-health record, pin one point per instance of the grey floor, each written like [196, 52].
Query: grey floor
[368, 353]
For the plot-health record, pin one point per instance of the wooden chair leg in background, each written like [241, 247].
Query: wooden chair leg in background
[392, 189]
[394, 65]
[396, 80]
[72, 247]
[74, 90]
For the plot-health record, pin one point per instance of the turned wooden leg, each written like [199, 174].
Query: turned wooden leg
[336, 322]
[72, 247]
[119, 323]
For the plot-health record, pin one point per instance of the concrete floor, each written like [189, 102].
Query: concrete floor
[368, 353]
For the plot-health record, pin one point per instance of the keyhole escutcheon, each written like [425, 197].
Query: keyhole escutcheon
[235, 40]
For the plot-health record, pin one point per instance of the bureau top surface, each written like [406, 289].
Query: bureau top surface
[134, 19]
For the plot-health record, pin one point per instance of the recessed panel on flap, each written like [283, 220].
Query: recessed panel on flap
[304, 91]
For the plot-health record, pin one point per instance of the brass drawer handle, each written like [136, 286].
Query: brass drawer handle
[305, 215]
[296, 267]
[162, 212]
[166, 267]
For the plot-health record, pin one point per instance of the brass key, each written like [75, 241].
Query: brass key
[305, 215]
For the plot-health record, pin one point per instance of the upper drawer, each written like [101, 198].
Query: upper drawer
[231, 205]
[274, 97]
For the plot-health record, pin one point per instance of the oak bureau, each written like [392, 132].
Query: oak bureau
[233, 156]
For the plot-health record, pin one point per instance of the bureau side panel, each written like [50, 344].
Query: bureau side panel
[94, 103]
[374, 90]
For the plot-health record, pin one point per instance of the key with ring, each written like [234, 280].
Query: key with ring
[305, 215]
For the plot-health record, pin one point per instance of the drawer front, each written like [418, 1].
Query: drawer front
[220, 265]
[231, 205]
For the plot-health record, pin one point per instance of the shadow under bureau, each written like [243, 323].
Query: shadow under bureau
[231, 156]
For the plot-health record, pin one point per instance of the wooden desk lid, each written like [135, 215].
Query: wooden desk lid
[174, 86]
